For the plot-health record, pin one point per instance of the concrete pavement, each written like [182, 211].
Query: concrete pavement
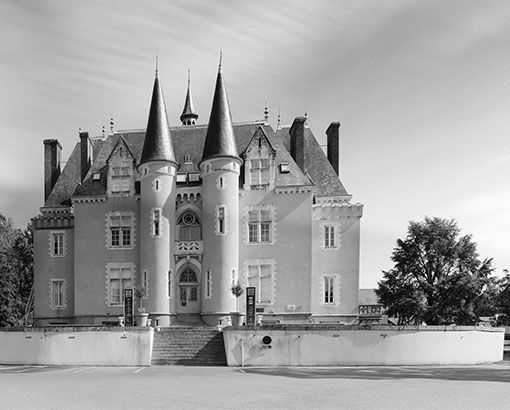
[427, 387]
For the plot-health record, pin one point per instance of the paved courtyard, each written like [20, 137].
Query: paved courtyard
[424, 387]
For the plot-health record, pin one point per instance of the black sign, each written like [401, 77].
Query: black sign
[250, 306]
[128, 307]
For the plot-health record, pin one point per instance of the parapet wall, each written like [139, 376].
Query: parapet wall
[81, 346]
[327, 345]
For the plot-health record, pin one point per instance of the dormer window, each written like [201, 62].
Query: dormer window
[120, 171]
[259, 173]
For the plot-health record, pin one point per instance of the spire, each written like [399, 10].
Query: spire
[188, 116]
[157, 145]
[220, 140]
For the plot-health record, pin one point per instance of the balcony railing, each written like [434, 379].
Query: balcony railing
[188, 247]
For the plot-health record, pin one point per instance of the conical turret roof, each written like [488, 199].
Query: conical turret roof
[220, 140]
[157, 145]
[188, 112]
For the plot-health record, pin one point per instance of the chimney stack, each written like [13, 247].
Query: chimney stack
[333, 145]
[85, 153]
[52, 149]
[297, 141]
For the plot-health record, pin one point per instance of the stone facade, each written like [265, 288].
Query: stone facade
[170, 212]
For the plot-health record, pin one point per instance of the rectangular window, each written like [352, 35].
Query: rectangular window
[120, 230]
[57, 244]
[259, 227]
[121, 180]
[259, 173]
[329, 290]
[260, 276]
[57, 294]
[156, 215]
[208, 284]
[119, 280]
[221, 220]
[329, 236]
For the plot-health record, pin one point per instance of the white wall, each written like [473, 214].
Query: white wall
[77, 346]
[323, 346]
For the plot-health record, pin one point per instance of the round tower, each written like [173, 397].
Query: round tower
[157, 210]
[219, 169]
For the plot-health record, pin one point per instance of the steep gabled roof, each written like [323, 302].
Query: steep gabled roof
[316, 165]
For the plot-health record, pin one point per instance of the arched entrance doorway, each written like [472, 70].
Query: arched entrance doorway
[188, 292]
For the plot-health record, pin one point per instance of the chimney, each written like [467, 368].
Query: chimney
[297, 141]
[333, 145]
[85, 153]
[52, 149]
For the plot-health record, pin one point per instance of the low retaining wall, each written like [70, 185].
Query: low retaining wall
[82, 346]
[333, 345]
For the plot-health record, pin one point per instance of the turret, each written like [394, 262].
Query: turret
[219, 169]
[188, 116]
[157, 209]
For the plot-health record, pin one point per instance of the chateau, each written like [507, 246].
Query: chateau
[184, 213]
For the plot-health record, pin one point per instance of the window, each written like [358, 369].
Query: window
[156, 222]
[145, 284]
[189, 227]
[259, 226]
[57, 243]
[121, 180]
[120, 277]
[57, 293]
[170, 284]
[329, 289]
[221, 218]
[120, 230]
[208, 284]
[260, 276]
[259, 173]
[329, 236]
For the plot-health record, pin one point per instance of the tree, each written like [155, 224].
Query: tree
[438, 277]
[16, 272]
[503, 299]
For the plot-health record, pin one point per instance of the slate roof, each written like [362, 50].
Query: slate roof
[220, 140]
[367, 297]
[316, 165]
[158, 143]
[189, 141]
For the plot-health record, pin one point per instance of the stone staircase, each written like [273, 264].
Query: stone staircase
[189, 345]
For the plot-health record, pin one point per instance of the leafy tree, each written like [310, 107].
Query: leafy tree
[16, 271]
[438, 277]
[503, 300]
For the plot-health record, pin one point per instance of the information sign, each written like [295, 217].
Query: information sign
[250, 306]
[128, 307]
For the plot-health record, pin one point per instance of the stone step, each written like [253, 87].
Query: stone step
[189, 346]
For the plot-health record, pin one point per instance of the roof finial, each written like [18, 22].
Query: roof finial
[278, 123]
[111, 125]
[103, 131]
[188, 78]
[157, 65]
[221, 56]
[306, 114]
[266, 113]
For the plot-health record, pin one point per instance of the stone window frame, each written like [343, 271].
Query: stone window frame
[273, 228]
[109, 276]
[153, 221]
[52, 235]
[337, 235]
[63, 292]
[208, 284]
[108, 226]
[272, 291]
[225, 220]
[221, 182]
[336, 290]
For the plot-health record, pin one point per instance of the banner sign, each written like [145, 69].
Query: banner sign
[250, 306]
[128, 307]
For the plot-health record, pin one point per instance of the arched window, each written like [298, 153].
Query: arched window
[188, 275]
[189, 228]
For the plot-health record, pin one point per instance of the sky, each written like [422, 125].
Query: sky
[421, 89]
